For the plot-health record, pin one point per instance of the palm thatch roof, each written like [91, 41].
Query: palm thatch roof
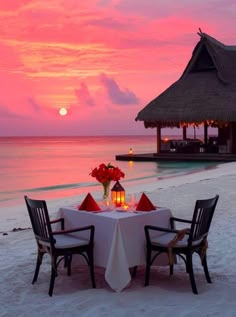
[206, 91]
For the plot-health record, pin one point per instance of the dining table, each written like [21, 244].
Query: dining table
[119, 240]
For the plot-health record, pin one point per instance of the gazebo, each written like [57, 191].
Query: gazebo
[205, 95]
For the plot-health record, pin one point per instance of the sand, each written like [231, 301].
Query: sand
[166, 296]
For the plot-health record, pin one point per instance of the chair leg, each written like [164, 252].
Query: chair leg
[38, 263]
[53, 276]
[91, 267]
[148, 266]
[68, 263]
[171, 269]
[65, 261]
[204, 264]
[134, 272]
[189, 265]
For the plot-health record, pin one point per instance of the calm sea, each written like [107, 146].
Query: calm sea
[55, 167]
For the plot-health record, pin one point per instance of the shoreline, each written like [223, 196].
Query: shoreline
[16, 216]
[53, 192]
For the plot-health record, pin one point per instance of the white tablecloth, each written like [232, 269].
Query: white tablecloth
[119, 239]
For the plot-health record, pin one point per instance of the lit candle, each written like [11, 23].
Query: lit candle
[125, 207]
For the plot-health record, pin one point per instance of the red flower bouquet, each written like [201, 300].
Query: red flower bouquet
[105, 174]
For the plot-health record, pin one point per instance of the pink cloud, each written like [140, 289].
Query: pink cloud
[5, 112]
[34, 105]
[116, 94]
[84, 96]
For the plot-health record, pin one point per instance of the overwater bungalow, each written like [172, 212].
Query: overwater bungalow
[204, 96]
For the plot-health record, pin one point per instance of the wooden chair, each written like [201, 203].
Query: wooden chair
[58, 244]
[184, 242]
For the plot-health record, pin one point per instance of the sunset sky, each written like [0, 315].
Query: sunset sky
[101, 60]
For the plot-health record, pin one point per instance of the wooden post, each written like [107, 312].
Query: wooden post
[205, 133]
[184, 132]
[158, 139]
[233, 137]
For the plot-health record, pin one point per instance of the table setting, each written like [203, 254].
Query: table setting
[119, 226]
[89, 204]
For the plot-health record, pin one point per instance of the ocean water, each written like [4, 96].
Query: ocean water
[55, 167]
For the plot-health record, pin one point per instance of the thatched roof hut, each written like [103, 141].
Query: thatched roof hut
[205, 94]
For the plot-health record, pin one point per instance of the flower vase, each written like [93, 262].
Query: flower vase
[106, 189]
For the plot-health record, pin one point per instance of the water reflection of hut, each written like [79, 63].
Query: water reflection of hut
[205, 95]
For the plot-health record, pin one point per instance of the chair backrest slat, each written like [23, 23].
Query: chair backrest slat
[202, 217]
[40, 220]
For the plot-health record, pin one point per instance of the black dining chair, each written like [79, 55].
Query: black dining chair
[61, 244]
[183, 243]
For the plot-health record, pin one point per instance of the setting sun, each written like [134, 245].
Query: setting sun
[63, 111]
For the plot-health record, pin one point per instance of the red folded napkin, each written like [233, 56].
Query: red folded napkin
[89, 204]
[145, 204]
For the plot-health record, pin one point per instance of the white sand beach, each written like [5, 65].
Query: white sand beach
[166, 296]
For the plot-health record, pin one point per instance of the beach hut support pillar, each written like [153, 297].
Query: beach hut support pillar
[158, 139]
[184, 132]
[205, 133]
[233, 137]
[194, 132]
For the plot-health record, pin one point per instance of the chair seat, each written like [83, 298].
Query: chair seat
[164, 240]
[64, 241]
